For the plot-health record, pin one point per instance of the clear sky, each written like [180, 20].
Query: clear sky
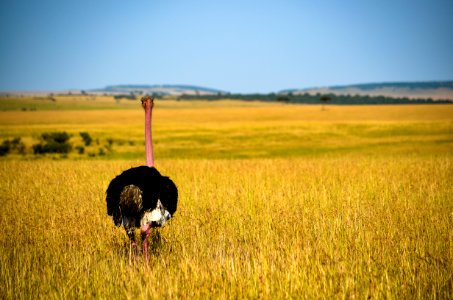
[237, 45]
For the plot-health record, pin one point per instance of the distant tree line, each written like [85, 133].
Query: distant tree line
[130, 96]
[316, 98]
[133, 96]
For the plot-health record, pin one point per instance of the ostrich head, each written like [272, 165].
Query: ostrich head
[147, 102]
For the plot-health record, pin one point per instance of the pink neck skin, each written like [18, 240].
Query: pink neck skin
[148, 135]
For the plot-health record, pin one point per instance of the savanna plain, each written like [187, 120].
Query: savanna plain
[276, 201]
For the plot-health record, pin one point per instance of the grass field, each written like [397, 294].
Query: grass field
[232, 129]
[276, 201]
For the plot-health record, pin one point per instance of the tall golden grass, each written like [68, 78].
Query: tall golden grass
[269, 228]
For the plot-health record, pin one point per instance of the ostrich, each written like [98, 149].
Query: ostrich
[141, 197]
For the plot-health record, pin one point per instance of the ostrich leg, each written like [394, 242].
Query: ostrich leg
[130, 253]
[132, 244]
[145, 232]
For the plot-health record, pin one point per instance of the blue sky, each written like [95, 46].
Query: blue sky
[238, 45]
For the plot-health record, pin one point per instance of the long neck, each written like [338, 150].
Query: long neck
[148, 136]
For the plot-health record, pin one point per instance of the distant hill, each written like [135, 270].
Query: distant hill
[161, 90]
[435, 90]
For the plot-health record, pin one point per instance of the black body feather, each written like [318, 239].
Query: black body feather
[152, 185]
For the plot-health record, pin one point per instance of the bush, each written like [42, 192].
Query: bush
[15, 145]
[18, 146]
[80, 149]
[86, 138]
[109, 145]
[5, 148]
[54, 142]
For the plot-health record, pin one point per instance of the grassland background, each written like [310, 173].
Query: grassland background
[234, 129]
[276, 201]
